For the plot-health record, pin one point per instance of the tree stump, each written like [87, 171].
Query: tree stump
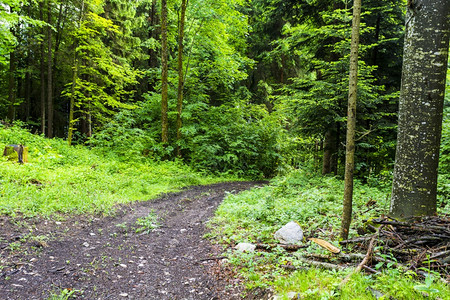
[18, 153]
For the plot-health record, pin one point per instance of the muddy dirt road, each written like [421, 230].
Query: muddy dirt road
[105, 258]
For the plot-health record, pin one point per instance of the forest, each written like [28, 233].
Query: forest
[339, 109]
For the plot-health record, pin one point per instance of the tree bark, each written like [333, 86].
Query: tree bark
[351, 122]
[49, 74]
[164, 74]
[72, 103]
[180, 74]
[12, 85]
[42, 70]
[420, 108]
[328, 152]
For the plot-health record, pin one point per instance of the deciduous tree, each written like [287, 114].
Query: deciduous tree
[421, 107]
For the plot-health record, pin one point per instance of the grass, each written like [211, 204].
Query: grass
[315, 202]
[59, 179]
[148, 223]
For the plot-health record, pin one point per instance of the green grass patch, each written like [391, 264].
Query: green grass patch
[75, 179]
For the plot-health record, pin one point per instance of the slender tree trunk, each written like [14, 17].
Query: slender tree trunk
[49, 74]
[329, 151]
[164, 74]
[180, 74]
[27, 90]
[72, 103]
[28, 81]
[152, 61]
[12, 85]
[74, 81]
[377, 39]
[42, 71]
[421, 108]
[351, 122]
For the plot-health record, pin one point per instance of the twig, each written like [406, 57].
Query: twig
[323, 265]
[371, 270]
[356, 240]
[365, 260]
[211, 258]
[288, 247]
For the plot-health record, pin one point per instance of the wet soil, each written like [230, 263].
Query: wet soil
[105, 258]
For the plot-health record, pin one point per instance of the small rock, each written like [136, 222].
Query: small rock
[183, 230]
[91, 234]
[58, 223]
[123, 265]
[86, 244]
[290, 295]
[290, 233]
[245, 247]
[33, 259]
[123, 294]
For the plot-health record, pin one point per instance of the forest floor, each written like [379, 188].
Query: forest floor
[105, 258]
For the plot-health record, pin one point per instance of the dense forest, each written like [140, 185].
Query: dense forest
[253, 86]
[254, 89]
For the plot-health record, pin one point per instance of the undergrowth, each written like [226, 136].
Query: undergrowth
[74, 179]
[315, 202]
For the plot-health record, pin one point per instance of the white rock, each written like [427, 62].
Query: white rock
[245, 247]
[123, 265]
[290, 295]
[86, 244]
[290, 233]
[124, 294]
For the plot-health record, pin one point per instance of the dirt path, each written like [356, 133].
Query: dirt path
[104, 258]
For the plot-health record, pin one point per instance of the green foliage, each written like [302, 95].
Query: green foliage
[147, 224]
[311, 200]
[236, 138]
[65, 294]
[322, 284]
[63, 179]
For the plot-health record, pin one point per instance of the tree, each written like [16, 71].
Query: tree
[351, 122]
[164, 74]
[180, 72]
[421, 108]
[49, 73]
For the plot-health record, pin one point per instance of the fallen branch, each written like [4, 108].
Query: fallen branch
[288, 247]
[211, 258]
[323, 265]
[356, 240]
[365, 260]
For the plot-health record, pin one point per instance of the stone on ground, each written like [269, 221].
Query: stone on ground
[245, 247]
[290, 233]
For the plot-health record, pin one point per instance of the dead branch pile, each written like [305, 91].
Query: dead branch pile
[420, 243]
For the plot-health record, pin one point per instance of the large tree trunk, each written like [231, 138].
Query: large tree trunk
[49, 74]
[180, 73]
[351, 123]
[420, 109]
[164, 74]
